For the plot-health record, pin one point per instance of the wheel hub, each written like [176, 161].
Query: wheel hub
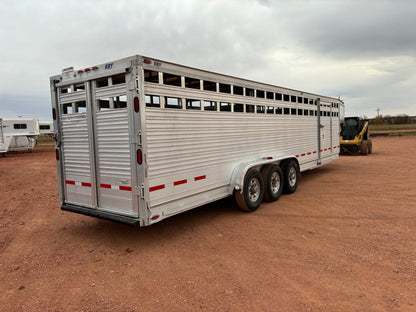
[254, 190]
[292, 176]
[275, 181]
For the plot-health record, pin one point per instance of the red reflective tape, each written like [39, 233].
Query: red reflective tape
[86, 184]
[297, 155]
[303, 155]
[309, 153]
[156, 188]
[200, 178]
[70, 182]
[107, 186]
[315, 152]
[125, 188]
[338, 146]
[335, 147]
[180, 182]
[325, 149]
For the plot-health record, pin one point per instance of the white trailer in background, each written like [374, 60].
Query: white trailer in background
[4, 145]
[46, 128]
[19, 134]
[140, 139]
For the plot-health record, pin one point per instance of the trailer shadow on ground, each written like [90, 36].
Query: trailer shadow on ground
[187, 223]
[184, 223]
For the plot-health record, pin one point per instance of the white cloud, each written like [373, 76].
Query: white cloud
[361, 51]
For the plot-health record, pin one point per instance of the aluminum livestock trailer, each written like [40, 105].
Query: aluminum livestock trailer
[18, 134]
[140, 139]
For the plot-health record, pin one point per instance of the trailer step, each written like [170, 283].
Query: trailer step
[135, 222]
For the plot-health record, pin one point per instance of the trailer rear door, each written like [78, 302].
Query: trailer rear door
[95, 144]
[112, 147]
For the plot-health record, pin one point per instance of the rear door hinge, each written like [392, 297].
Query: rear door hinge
[139, 138]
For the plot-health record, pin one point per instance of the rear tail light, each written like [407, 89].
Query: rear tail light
[54, 114]
[136, 104]
[57, 154]
[139, 156]
[147, 61]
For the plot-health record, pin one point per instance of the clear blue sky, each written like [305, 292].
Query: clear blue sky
[362, 51]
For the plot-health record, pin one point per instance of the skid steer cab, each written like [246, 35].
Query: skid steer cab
[354, 137]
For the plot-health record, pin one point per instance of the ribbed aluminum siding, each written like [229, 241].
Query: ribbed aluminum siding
[76, 156]
[182, 144]
[113, 159]
[75, 146]
[113, 143]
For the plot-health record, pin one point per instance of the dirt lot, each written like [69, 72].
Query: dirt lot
[345, 241]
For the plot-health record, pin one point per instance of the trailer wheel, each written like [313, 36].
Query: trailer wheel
[370, 146]
[253, 190]
[273, 182]
[364, 147]
[291, 177]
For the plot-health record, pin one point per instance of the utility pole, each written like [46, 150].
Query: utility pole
[378, 112]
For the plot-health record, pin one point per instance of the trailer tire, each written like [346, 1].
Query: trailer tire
[253, 191]
[370, 146]
[364, 147]
[273, 182]
[291, 177]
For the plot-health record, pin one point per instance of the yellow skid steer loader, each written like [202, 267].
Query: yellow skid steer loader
[354, 137]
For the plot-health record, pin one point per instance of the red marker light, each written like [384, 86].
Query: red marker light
[147, 61]
[139, 156]
[155, 217]
[136, 104]
[87, 70]
[94, 68]
[80, 71]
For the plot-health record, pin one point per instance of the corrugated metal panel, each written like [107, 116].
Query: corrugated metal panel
[75, 145]
[110, 91]
[184, 140]
[71, 97]
[113, 161]
[113, 143]
[76, 158]
[335, 130]
[326, 140]
[181, 143]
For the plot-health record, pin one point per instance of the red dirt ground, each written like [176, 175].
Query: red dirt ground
[345, 241]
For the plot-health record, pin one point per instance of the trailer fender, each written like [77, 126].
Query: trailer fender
[241, 169]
